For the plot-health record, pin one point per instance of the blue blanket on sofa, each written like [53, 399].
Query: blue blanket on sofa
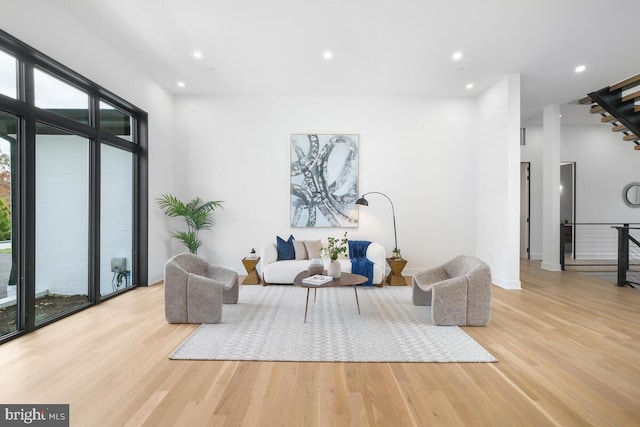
[360, 264]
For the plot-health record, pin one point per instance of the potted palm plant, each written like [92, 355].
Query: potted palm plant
[197, 214]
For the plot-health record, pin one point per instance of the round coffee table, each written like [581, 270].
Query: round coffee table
[345, 279]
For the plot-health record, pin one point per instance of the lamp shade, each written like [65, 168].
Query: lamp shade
[362, 202]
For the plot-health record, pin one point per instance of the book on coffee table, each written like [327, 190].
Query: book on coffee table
[317, 280]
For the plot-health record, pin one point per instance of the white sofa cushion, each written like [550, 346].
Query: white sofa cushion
[283, 272]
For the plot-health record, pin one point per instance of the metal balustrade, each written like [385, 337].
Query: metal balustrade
[602, 247]
[628, 256]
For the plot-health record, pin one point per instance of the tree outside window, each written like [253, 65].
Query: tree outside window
[5, 196]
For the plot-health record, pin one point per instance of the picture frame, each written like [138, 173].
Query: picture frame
[324, 180]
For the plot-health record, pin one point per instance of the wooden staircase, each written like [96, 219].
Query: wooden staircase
[619, 105]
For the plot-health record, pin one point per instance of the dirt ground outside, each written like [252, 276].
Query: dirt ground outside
[46, 306]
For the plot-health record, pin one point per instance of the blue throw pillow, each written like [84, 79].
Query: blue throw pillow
[285, 248]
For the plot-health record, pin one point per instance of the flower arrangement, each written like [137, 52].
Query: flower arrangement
[335, 247]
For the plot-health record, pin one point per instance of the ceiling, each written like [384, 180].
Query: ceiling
[404, 47]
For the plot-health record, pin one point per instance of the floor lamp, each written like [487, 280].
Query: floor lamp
[363, 202]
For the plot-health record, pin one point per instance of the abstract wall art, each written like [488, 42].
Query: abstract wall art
[324, 180]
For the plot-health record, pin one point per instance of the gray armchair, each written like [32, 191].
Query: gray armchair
[195, 290]
[459, 292]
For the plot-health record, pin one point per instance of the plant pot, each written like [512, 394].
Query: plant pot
[334, 269]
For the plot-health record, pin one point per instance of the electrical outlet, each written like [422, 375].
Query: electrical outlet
[118, 265]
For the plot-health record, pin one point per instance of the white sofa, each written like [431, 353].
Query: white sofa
[283, 272]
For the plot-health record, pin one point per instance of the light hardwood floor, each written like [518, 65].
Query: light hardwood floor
[567, 345]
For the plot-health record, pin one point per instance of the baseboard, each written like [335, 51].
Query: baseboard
[506, 284]
[550, 266]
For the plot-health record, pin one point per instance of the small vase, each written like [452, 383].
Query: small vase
[315, 267]
[334, 269]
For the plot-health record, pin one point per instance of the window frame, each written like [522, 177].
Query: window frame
[27, 59]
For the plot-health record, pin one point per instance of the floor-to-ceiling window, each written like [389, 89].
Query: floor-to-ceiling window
[72, 191]
[116, 194]
[62, 222]
[9, 314]
[116, 226]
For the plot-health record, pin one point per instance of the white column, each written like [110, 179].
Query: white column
[551, 188]
[498, 181]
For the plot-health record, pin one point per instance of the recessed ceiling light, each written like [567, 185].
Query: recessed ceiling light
[197, 54]
[580, 68]
[181, 84]
[456, 56]
[327, 55]
[469, 86]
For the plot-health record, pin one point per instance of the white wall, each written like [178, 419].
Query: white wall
[604, 165]
[497, 182]
[418, 151]
[62, 224]
[55, 33]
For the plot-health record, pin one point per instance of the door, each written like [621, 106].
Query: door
[567, 205]
[525, 220]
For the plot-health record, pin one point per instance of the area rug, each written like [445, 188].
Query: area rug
[267, 324]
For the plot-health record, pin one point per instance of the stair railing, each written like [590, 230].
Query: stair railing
[589, 245]
[628, 257]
